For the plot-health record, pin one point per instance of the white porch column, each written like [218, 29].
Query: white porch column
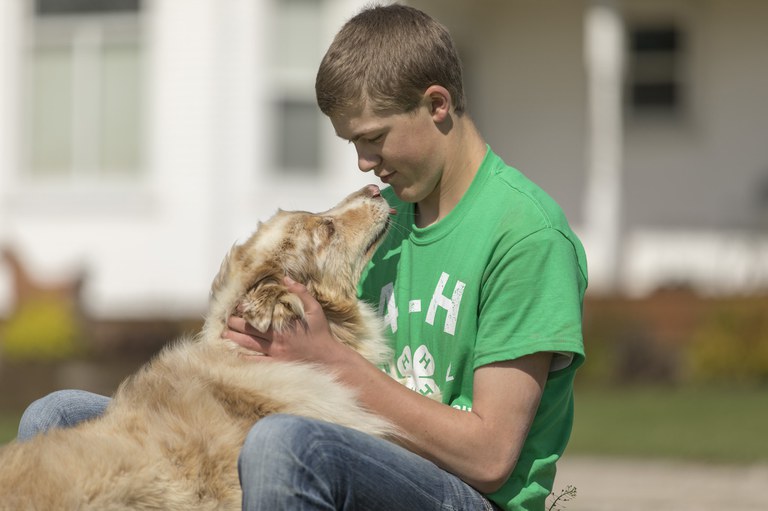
[12, 18]
[603, 199]
[11, 70]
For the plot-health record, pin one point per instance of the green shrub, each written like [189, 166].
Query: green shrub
[622, 348]
[42, 329]
[731, 345]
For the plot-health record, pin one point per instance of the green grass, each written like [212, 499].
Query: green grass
[9, 424]
[720, 425]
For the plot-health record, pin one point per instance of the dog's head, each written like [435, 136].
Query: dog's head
[325, 251]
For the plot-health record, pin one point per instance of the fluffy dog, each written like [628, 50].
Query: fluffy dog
[171, 436]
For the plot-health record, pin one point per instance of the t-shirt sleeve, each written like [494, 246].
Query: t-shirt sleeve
[531, 300]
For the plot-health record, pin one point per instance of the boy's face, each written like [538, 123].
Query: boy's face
[402, 149]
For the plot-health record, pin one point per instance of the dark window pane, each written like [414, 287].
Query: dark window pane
[44, 7]
[655, 95]
[665, 39]
[298, 136]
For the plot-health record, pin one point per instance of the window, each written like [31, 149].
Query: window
[83, 102]
[296, 56]
[298, 135]
[655, 82]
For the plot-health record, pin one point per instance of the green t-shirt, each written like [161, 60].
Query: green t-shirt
[500, 277]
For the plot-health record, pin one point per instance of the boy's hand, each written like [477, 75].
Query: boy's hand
[309, 341]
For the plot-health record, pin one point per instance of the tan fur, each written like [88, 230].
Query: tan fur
[171, 436]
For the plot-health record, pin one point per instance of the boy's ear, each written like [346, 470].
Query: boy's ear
[439, 101]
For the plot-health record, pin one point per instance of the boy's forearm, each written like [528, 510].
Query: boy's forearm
[480, 446]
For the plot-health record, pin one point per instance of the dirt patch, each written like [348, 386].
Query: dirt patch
[641, 485]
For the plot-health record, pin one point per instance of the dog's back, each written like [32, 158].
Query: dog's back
[166, 441]
[171, 436]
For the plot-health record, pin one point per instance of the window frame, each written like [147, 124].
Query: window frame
[84, 39]
[292, 83]
[656, 82]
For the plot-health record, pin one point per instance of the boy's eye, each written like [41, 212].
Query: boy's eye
[375, 139]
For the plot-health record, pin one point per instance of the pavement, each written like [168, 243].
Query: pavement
[650, 485]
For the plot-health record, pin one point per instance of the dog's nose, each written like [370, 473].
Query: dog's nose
[373, 191]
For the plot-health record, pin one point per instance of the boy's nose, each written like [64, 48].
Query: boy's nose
[367, 161]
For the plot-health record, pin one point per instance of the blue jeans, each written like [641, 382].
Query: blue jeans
[295, 463]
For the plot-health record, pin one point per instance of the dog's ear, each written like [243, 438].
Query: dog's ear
[222, 277]
[268, 304]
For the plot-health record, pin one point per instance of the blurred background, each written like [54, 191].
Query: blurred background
[140, 138]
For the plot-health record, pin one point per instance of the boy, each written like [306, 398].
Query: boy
[480, 283]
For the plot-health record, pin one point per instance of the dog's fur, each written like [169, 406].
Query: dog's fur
[171, 436]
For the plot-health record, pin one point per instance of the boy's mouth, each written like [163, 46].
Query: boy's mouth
[386, 177]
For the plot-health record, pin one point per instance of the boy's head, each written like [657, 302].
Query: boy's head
[386, 57]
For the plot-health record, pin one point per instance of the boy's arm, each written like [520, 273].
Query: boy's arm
[481, 446]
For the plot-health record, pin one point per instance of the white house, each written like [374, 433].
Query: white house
[140, 138]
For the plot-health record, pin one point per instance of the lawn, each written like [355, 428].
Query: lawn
[716, 425]
[719, 425]
[9, 423]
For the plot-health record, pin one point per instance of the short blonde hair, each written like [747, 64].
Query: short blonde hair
[386, 57]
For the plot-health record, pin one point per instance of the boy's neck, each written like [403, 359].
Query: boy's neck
[465, 151]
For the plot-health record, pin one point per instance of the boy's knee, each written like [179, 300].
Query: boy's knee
[60, 409]
[279, 431]
[279, 462]
[41, 415]
[285, 439]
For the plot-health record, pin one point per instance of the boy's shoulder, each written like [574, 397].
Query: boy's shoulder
[505, 188]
